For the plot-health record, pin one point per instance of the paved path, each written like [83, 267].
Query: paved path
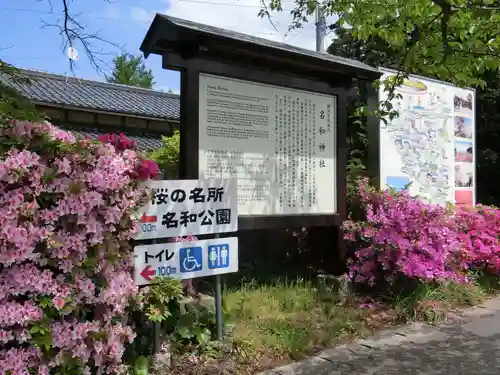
[468, 344]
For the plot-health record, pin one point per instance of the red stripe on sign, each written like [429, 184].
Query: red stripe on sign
[148, 219]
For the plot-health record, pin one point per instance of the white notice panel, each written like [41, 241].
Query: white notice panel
[279, 144]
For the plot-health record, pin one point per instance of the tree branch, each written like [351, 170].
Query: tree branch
[74, 34]
[475, 53]
[264, 12]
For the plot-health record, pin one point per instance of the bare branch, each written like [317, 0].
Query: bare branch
[50, 4]
[74, 34]
[5, 48]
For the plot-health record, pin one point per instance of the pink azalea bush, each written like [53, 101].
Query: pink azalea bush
[404, 236]
[145, 168]
[479, 232]
[120, 141]
[65, 258]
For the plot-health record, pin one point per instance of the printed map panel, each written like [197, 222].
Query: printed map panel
[428, 143]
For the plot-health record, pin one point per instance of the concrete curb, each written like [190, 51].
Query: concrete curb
[421, 333]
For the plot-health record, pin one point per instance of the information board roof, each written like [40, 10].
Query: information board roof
[168, 33]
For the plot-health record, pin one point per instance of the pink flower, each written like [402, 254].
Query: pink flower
[147, 169]
[58, 303]
[66, 210]
[183, 239]
[18, 361]
[405, 236]
[120, 142]
[14, 313]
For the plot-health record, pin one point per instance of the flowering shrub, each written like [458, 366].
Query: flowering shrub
[65, 273]
[120, 141]
[479, 231]
[145, 168]
[402, 235]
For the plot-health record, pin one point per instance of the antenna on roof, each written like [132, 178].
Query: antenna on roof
[72, 53]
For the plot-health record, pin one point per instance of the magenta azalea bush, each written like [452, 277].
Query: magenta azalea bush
[65, 258]
[479, 232]
[404, 236]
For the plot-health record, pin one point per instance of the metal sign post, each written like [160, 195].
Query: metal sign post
[156, 337]
[218, 304]
[156, 331]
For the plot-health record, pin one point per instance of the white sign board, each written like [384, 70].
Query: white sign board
[188, 207]
[185, 260]
[278, 143]
[432, 142]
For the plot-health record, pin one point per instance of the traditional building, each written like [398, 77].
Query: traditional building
[91, 108]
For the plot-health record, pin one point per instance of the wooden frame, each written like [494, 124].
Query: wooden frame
[192, 67]
[370, 96]
[193, 48]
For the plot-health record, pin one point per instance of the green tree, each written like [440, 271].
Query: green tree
[168, 155]
[373, 51]
[453, 40]
[130, 70]
[12, 104]
[377, 52]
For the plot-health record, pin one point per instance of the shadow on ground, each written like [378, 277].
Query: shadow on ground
[470, 348]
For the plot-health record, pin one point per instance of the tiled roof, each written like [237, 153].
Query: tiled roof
[144, 141]
[47, 88]
[165, 27]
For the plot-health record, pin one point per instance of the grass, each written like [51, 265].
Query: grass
[431, 303]
[292, 319]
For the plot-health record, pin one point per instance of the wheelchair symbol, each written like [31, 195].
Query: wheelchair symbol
[190, 259]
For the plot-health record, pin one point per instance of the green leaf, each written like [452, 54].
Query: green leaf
[203, 336]
[167, 157]
[185, 332]
[141, 366]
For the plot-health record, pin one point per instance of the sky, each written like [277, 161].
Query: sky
[29, 39]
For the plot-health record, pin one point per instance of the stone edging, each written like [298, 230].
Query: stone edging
[322, 363]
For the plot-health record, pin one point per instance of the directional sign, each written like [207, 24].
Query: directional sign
[148, 273]
[185, 260]
[188, 207]
[145, 218]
